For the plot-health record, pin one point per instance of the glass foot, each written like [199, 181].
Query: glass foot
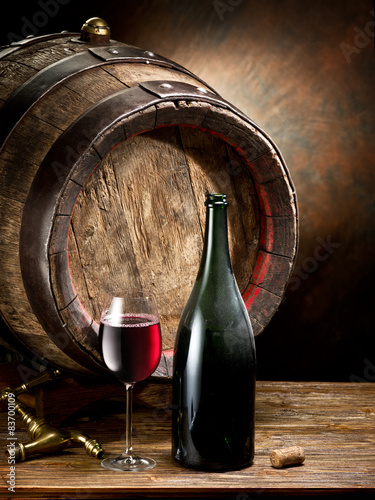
[128, 463]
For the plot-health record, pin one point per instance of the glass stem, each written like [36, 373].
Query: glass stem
[129, 409]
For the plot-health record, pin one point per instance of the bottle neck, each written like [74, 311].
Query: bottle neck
[215, 256]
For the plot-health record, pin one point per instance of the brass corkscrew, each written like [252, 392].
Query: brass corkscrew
[45, 439]
[45, 376]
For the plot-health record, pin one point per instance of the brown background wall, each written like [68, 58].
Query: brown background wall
[303, 71]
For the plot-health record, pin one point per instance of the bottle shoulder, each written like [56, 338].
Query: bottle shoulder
[219, 301]
[225, 321]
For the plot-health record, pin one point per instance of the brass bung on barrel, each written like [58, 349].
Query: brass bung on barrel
[95, 30]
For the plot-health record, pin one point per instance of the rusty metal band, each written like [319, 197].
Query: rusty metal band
[97, 131]
[6, 50]
[28, 94]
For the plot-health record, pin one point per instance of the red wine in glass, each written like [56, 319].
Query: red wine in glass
[130, 342]
[130, 345]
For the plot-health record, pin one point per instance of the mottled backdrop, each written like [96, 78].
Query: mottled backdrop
[304, 71]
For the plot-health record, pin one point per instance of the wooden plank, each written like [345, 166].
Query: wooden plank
[247, 208]
[63, 288]
[247, 139]
[271, 272]
[277, 198]
[59, 241]
[44, 53]
[94, 84]
[333, 422]
[279, 235]
[16, 176]
[12, 75]
[191, 113]
[261, 305]
[17, 313]
[133, 73]
[267, 167]
[76, 271]
[79, 324]
[60, 107]
[31, 140]
[145, 121]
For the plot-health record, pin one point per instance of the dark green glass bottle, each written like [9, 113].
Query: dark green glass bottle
[214, 361]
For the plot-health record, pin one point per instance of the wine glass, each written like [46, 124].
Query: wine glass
[130, 342]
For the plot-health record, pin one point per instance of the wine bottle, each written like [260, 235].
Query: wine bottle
[214, 361]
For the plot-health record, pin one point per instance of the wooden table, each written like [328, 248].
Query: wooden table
[334, 422]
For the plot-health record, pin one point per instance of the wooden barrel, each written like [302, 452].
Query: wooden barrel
[107, 151]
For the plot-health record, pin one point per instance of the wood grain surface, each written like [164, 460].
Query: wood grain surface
[138, 220]
[333, 422]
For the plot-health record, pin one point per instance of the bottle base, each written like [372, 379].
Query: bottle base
[206, 467]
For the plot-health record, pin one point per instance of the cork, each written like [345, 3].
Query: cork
[292, 455]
